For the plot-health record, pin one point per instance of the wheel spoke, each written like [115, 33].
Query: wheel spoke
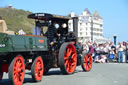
[85, 60]
[41, 73]
[20, 64]
[74, 57]
[66, 62]
[67, 53]
[87, 57]
[73, 65]
[67, 67]
[87, 66]
[65, 58]
[70, 51]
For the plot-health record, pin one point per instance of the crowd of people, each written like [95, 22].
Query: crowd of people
[107, 52]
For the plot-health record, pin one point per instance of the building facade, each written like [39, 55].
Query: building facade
[90, 27]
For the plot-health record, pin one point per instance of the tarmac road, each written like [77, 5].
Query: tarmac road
[101, 74]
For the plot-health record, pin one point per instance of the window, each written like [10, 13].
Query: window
[100, 30]
[80, 29]
[101, 25]
[101, 35]
[98, 34]
[69, 24]
[94, 34]
[45, 29]
[86, 29]
[80, 24]
[94, 29]
[80, 33]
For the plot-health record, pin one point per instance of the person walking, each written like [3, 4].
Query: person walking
[91, 49]
[127, 52]
[120, 48]
[112, 51]
[124, 53]
[94, 47]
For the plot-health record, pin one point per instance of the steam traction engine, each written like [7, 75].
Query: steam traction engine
[52, 45]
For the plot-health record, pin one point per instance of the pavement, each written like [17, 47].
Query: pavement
[100, 74]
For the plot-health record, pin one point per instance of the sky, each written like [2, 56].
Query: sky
[113, 12]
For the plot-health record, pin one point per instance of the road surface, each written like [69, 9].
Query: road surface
[101, 74]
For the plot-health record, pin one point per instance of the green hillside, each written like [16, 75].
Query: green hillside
[17, 19]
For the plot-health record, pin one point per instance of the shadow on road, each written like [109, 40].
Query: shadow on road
[7, 82]
[55, 72]
[30, 80]
[58, 72]
[26, 80]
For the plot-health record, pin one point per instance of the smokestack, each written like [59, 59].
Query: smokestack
[75, 26]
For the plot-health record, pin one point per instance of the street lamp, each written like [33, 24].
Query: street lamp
[115, 36]
[91, 28]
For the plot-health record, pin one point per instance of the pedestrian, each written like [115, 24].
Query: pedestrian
[112, 51]
[37, 29]
[124, 52]
[120, 48]
[100, 58]
[127, 52]
[94, 47]
[85, 48]
[91, 50]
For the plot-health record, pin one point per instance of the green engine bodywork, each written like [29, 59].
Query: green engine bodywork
[19, 43]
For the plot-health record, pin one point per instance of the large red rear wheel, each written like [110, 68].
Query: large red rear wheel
[67, 58]
[37, 69]
[86, 62]
[17, 70]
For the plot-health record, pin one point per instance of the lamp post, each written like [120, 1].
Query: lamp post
[91, 28]
[115, 36]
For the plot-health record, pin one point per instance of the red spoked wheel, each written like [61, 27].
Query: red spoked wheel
[86, 62]
[17, 70]
[67, 58]
[37, 69]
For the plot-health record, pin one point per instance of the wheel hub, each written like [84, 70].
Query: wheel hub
[22, 70]
[88, 62]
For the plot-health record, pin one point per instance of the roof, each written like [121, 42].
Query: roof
[96, 14]
[86, 9]
[46, 16]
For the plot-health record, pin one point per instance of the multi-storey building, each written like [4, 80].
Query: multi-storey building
[90, 27]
